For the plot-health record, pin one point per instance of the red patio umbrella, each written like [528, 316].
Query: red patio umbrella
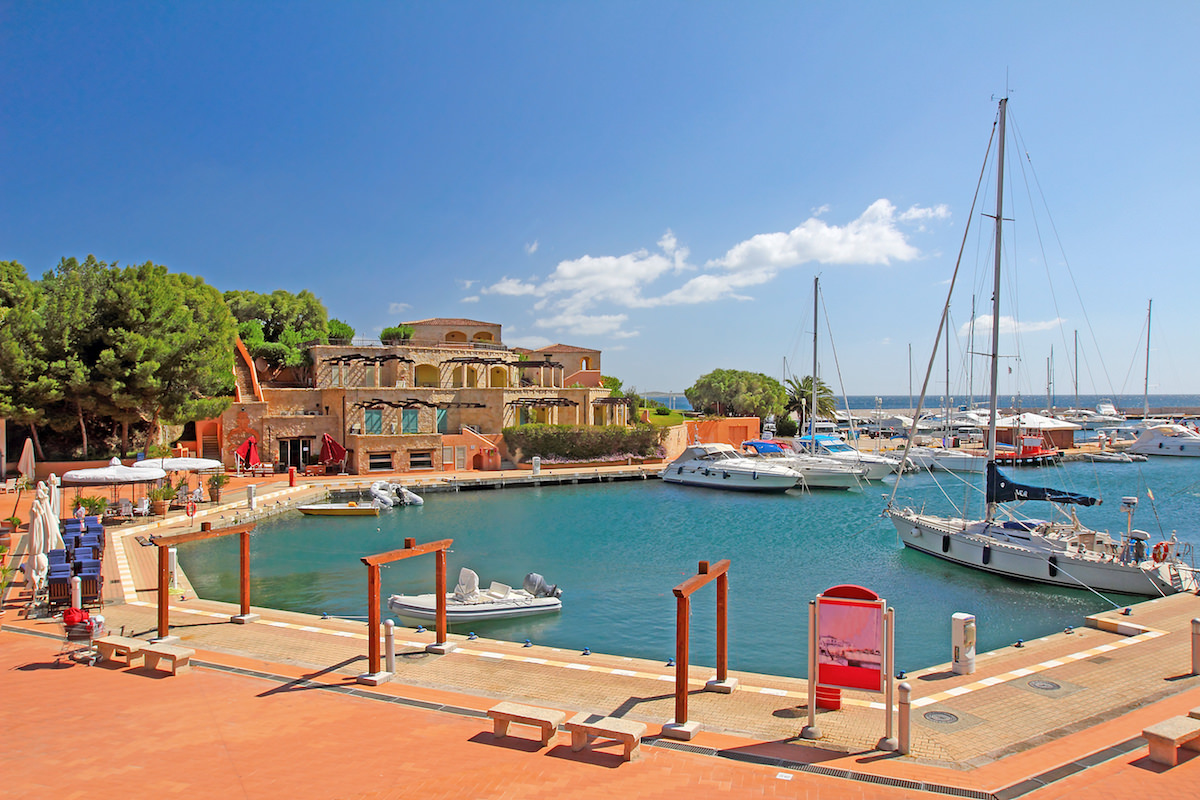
[331, 451]
[248, 452]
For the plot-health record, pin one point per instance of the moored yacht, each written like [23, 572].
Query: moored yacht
[817, 472]
[1167, 440]
[877, 466]
[717, 465]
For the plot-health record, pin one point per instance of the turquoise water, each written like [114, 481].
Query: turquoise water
[618, 549]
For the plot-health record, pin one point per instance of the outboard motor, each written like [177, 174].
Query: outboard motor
[536, 585]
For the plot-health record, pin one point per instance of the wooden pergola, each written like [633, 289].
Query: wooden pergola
[410, 549]
[165, 543]
[705, 574]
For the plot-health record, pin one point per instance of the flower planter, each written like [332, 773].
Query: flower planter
[159, 507]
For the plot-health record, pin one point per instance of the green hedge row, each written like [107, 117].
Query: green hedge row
[583, 442]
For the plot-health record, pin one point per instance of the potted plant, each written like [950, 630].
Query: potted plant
[160, 499]
[6, 573]
[94, 506]
[7, 526]
[215, 482]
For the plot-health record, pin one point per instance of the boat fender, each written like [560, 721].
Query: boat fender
[915, 531]
[1160, 552]
[725, 475]
[945, 543]
[754, 475]
[987, 554]
[1053, 566]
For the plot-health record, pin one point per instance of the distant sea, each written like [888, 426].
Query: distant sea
[1127, 403]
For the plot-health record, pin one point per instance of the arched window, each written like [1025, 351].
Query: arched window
[427, 375]
[456, 336]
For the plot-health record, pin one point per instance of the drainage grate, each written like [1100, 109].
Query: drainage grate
[1100, 659]
[941, 717]
[1044, 685]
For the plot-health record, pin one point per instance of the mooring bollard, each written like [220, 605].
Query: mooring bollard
[76, 592]
[904, 709]
[389, 644]
[1196, 646]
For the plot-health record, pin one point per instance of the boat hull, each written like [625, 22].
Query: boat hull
[948, 540]
[729, 480]
[424, 607]
[338, 510]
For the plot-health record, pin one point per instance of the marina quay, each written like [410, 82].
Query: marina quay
[1062, 713]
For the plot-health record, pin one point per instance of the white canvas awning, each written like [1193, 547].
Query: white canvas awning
[1036, 422]
[179, 464]
[114, 473]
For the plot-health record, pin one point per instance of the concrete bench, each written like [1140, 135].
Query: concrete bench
[546, 719]
[112, 646]
[584, 727]
[178, 658]
[1166, 737]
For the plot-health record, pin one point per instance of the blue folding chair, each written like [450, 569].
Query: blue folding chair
[86, 565]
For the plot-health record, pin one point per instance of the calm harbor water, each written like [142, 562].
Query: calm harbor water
[618, 549]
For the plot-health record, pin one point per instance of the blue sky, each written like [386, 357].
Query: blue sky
[660, 181]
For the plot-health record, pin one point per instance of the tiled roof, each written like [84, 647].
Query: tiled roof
[565, 348]
[449, 321]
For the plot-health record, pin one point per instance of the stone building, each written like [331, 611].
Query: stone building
[436, 401]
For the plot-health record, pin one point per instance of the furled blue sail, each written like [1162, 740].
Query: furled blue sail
[1001, 489]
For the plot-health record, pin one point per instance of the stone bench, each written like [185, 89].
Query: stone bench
[178, 658]
[546, 719]
[584, 727]
[112, 646]
[1166, 737]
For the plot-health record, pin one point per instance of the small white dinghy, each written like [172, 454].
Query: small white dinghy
[469, 604]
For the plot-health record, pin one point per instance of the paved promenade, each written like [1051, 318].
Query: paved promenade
[274, 708]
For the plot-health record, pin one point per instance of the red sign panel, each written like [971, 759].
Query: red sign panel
[850, 643]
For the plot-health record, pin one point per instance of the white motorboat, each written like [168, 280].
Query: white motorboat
[815, 472]
[1063, 553]
[947, 459]
[877, 466]
[351, 509]
[720, 466]
[1167, 440]
[468, 604]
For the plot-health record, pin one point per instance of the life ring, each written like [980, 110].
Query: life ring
[1160, 552]
[190, 508]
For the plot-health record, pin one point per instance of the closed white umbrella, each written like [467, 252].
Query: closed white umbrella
[25, 465]
[53, 540]
[54, 487]
[37, 565]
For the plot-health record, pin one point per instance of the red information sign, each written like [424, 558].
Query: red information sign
[850, 639]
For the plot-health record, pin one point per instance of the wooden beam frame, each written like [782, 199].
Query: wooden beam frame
[705, 574]
[410, 549]
[165, 543]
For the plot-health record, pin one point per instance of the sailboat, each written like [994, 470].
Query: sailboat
[1062, 553]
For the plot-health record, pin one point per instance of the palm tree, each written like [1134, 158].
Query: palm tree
[800, 399]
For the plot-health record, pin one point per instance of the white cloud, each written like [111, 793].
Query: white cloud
[472, 299]
[465, 284]
[584, 325]
[511, 287]
[1008, 325]
[532, 247]
[398, 308]
[569, 296]
[873, 238]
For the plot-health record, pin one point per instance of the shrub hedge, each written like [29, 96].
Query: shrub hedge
[583, 442]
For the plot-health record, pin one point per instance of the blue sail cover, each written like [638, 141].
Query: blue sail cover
[1000, 489]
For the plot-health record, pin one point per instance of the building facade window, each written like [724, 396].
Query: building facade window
[410, 420]
[420, 459]
[373, 421]
[442, 423]
[379, 461]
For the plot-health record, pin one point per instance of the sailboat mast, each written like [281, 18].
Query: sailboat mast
[1077, 369]
[812, 398]
[992, 404]
[946, 399]
[1146, 389]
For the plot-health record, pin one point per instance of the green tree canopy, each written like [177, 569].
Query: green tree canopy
[167, 348]
[24, 385]
[396, 333]
[733, 392]
[339, 331]
[286, 322]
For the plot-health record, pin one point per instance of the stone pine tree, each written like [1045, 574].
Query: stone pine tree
[167, 349]
[24, 385]
[732, 392]
[71, 294]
